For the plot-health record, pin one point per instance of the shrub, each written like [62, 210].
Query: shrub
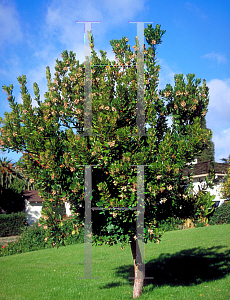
[33, 238]
[171, 224]
[221, 215]
[11, 201]
[60, 210]
[76, 236]
[200, 223]
[12, 224]
[179, 223]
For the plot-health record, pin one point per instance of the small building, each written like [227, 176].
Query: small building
[33, 206]
[33, 202]
[199, 173]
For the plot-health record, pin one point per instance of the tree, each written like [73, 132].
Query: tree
[12, 184]
[7, 176]
[209, 151]
[226, 185]
[6, 172]
[57, 146]
[226, 160]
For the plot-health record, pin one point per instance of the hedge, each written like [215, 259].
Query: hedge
[12, 224]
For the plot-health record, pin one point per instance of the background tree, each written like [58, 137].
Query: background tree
[226, 185]
[7, 173]
[8, 199]
[12, 184]
[55, 145]
[226, 160]
[209, 151]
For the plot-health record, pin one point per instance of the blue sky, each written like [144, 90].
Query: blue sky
[197, 40]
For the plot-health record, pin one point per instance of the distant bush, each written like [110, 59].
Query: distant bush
[12, 224]
[178, 224]
[171, 224]
[33, 238]
[221, 215]
[60, 210]
[11, 199]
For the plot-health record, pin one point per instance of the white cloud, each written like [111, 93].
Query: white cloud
[220, 58]
[196, 10]
[62, 15]
[166, 74]
[219, 104]
[218, 116]
[60, 32]
[60, 29]
[9, 23]
[222, 144]
[123, 10]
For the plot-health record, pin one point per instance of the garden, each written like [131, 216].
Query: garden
[95, 149]
[186, 264]
[191, 263]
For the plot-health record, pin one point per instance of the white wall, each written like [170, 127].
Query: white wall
[67, 208]
[34, 211]
[216, 189]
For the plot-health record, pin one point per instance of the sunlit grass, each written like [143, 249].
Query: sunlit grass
[188, 264]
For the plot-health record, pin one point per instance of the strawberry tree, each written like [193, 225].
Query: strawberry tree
[56, 149]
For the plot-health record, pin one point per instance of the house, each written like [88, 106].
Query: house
[33, 206]
[199, 173]
[33, 202]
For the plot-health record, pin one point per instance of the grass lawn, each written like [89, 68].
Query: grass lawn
[188, 264]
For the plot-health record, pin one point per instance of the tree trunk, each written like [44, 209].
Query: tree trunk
[138, 269]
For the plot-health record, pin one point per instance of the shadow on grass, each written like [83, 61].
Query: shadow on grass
[184, 268]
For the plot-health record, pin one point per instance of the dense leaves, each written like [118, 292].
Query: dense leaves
[56, 149]
[221, 214]
[209, 152]
[226, 184]
[12, 184]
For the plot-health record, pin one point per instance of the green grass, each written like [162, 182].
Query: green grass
[188, 264]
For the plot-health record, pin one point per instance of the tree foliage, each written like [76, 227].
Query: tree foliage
[226, 185]
[56, 148]
[209, 151]
[12, 184]
[55, 156]
[226, 160]
[221, 215]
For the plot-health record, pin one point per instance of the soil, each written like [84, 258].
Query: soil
[8, 239]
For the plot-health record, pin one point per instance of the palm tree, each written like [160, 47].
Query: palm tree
[226, 160]
[30, 184]
[13, 181]
[10, 171]
[7, 172]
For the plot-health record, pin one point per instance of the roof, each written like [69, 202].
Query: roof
[32, 196]
[199, 169]
[204, 168]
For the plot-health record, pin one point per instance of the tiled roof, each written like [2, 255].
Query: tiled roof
[205, 167]
[32, 196]
[198, 169]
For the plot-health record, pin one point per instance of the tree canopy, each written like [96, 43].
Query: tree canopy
[57, 146]
[209, 151]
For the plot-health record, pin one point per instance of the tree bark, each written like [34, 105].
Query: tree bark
[138, 269]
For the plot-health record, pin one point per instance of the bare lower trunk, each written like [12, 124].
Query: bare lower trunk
[138, 269]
